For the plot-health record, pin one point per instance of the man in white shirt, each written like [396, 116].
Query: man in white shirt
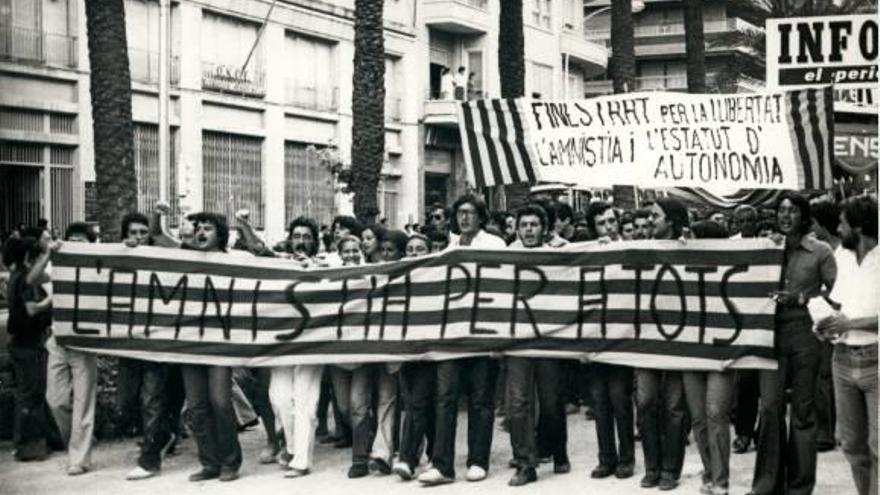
[854, 331]
[460, 81]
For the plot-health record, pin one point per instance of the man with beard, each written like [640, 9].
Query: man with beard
[853, 329]
[786, 461]
[525, 376]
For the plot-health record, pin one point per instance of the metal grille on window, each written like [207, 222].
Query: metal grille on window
[308, 184]
[21, 120]
[20, 188]
[233, 176]
[62, 197]
[146, 162]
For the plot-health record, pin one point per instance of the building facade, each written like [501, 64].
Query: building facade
[262, 135]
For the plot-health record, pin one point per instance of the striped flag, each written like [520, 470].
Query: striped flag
[504, 143]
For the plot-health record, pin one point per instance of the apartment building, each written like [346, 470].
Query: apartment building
[659, 44]
[260, 135]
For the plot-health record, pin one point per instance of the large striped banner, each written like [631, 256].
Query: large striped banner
[767, 140]
[703, 305]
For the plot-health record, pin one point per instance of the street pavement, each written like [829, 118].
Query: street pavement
[112, 460]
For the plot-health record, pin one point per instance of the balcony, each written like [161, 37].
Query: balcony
[672, 82]
[231, 79]
[144, 66]
[457, 16]
[672, 29]
[443, 110]
[34, 46]
[582, 50]
[311, 97]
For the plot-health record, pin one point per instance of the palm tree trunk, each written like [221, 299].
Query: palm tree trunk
[512, 72]
[623, 51]
[110, 88]
[368, 108]
[695, 46]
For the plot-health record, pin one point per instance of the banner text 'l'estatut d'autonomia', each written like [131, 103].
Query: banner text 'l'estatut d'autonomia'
[703, 305]
[765, 140]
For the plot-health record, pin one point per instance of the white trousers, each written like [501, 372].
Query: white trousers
[71, 383]
[294, 392]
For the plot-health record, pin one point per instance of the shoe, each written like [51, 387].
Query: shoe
[706, 488]
[402, 470]
[204, 475]
[741, 445]
[650, 480]
[140, 473]
[624, 471]
[247, 426]
[77, 470]
[284, 459]
[329, 439]
[523, 476]
[267, 455]
[434, 477]
[296, 473]
[379, 466]
[561, 467]
[513, 463]
[667, 483]
[476, 473]
[602, 471]
[342, 443]
[358, 470]
[228, 475]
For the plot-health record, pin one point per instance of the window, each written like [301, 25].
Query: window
[226, 43]
[542, 80]
[542, 13]
[232, 175]
[392, 91]
[308, 183]
[310, 82]
[142, 35]
[388, 199]
[146, 164]
[37, 31]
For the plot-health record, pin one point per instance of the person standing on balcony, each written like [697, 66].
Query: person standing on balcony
[460, 82]
[447, 85]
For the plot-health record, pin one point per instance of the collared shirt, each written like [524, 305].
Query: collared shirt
[483, 240]
[809, 267]
[857, 291]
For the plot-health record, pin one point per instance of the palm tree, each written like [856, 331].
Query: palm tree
[512, 72]
[623, 51]
[695, 46]
[110, 88]
[749, 60]
[368, 108]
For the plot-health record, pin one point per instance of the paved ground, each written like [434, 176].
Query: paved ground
[113, 460]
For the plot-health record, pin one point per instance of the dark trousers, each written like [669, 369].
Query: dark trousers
[476, 378]
[32, 428]
[254, 382]
[825, 413]
[746, 409]
[175, 396]
[156, 426]
[209, 397]
[128, 395]
[524, 376]
[709, 394]
[786, 461]
[662, 421]
[611, 388]
[417, 389]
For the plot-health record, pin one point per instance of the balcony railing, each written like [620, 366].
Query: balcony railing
[324, 99]
[31, 45]
[144, 66]
[392, 108]
[670, 29]
[232, 79]
[477, 4]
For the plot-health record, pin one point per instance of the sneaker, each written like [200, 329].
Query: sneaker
[358, 470]
[402, 470]
[204, 475]
[379, 466]
[523, 476]
[77, 470]
[228, 475]
[433, 477]
[140, 473]
[268, 455]
[296, 473]
[476, 473]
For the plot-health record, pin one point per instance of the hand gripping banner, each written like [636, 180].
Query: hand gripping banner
[653, 304]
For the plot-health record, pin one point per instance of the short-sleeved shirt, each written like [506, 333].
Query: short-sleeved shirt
[26, 330]
[483, 240]
[808, 268]
[857, 291]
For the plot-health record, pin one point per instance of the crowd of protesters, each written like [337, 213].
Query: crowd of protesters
[402, 418]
